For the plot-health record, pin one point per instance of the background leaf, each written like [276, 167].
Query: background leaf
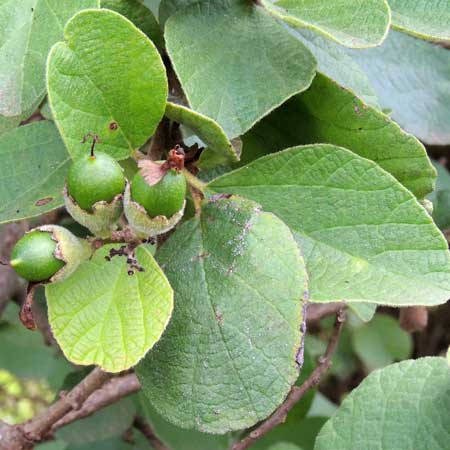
[26, 355]
[328, 113]
[34, 164]
[400, 71]
[354, 23]
[427, 19]
[28, 30]
[411, 396]
[381, 342]
[228, 357]
[140, 15]
[101, 315]
[334, 62]
[107, 423]
[220, 66]
[107, 79]
[364, 237]
[440, 197]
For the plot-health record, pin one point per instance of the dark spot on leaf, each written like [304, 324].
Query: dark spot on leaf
[44, 201]
[17, 211]
[113, 126]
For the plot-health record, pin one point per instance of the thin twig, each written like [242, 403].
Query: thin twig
[144, 427]
[296, 393]
[112, 391]
[318, 311]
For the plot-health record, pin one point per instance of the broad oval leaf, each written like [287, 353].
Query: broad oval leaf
[354, 23]
[364, 236]
[253, 63]
[107, 79]
[101, 315]
[220, 150]
[34, 164]
[427, 19]
[228, 357]
[330, 113]
[412, 79]
[28, 29]
[327, 113]
[404, 406]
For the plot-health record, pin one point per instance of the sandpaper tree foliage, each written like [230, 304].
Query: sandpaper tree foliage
[195, 176]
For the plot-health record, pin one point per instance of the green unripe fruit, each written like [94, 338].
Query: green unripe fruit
[34, 256]
[164, 198]
[93, 179]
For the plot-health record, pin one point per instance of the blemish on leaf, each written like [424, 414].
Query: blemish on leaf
[113, 126]
[44, 201]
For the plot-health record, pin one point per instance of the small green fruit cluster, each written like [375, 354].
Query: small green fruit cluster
[94, 196]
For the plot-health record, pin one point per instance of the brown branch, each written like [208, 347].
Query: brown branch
[144, 427]
[296, 393]
[40, 425]
[112, 391]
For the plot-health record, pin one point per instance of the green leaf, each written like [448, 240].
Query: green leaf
[364, 311]
[365, 238]
[411, 78]
[55, 445]
[26, 355]
[140, 15]
[228, 357]
[328, 113]
[426, 19]
[170, 7]
[284, 446]
[334, 62]
[239, 64]
[302, 434]
[354, 23]
[28, 29]
[440, 197]
[34, 164]
[220, 150]
[177, 438]
[107, 79]
[381, 342]
[101, 315]
[109, 444]
[403, 406]
[109, 422]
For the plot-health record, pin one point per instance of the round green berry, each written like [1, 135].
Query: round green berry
[33, 257]
[96, 178]
[164, 198]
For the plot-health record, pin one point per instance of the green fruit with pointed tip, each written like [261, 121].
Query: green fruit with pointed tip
[95, 178]
[33, 257]
[164, 198]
